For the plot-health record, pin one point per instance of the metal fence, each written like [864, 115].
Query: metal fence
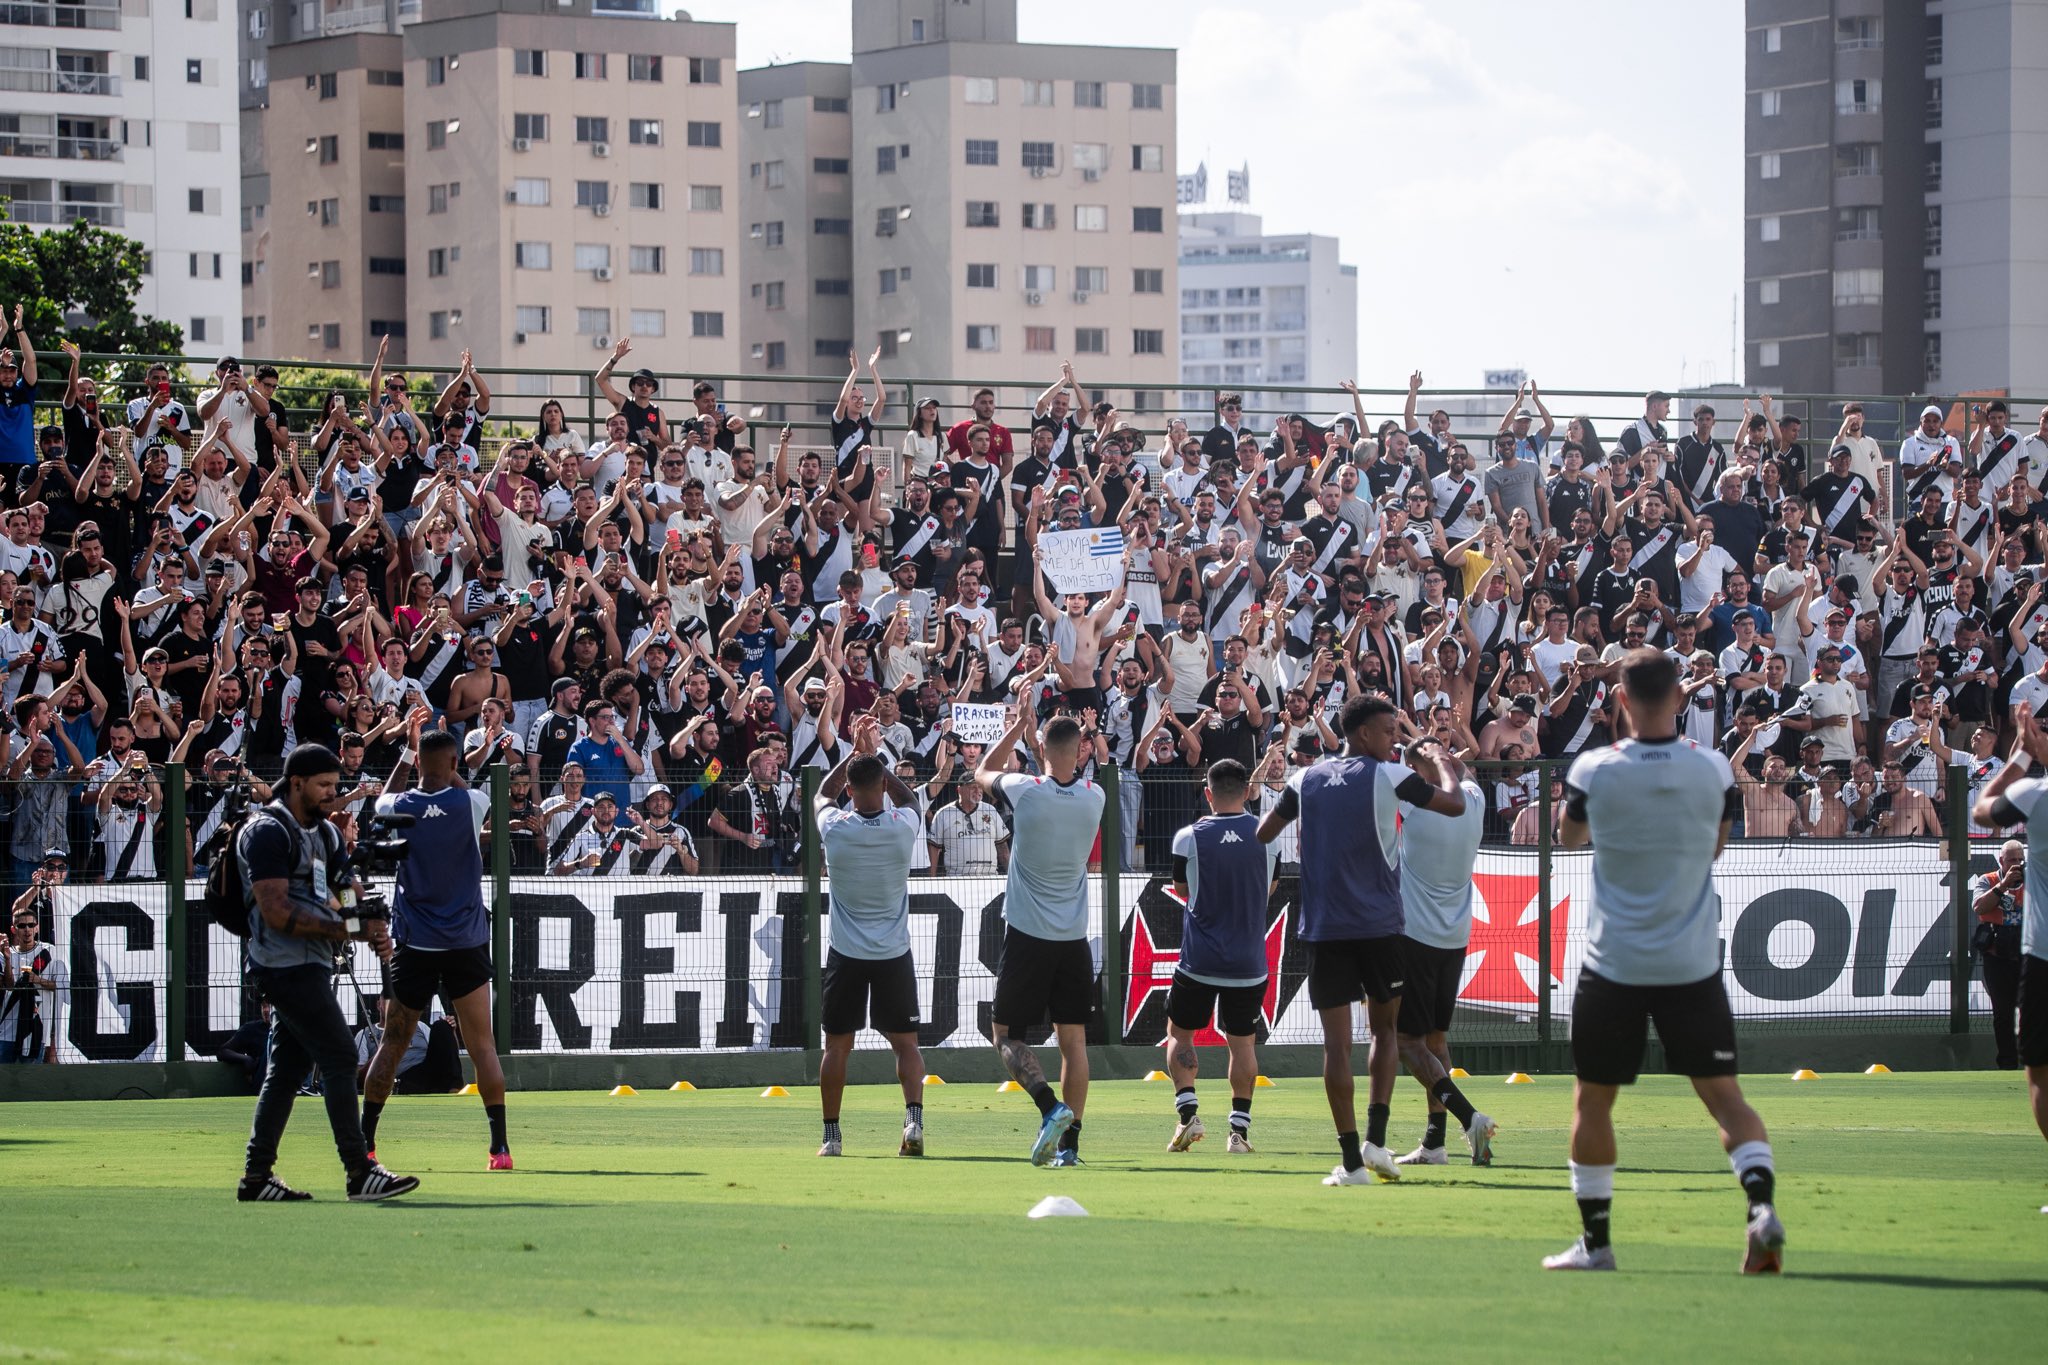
[1852, 935]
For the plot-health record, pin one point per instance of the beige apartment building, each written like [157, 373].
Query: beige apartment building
[564, 172]
[1011, 207]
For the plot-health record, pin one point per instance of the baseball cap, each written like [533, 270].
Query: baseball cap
[1840, 450]
[604, 796]
[1523, 702]
[1923, 691]
[57, 855]
[814, 685]
[559, 686]
[1933, 410]
[661, 787]
[1838, 614]
[1811, 742]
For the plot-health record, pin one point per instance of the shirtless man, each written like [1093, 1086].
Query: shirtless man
[1077, 661]
[1767, 812]
[1911, 814]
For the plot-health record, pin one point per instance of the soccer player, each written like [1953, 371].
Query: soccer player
[1046, 968]
[1657, 810]
[442, 931]
[1351, 916]
[1224, 876]
[868, 973]
[1437, 856]
[2013, 797]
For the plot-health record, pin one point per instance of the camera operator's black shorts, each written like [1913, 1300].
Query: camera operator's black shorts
[417, 973]
[2033, 1038]
[859, 990]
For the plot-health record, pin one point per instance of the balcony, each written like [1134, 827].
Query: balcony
[355, 19]
[45, 212]
[60, 82]
[98, 14]
[65, 148]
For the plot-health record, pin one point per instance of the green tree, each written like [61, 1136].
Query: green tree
[80, 282]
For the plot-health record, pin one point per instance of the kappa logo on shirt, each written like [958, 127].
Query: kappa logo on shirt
[1230, 837]
[432, 813]
[1336, 780]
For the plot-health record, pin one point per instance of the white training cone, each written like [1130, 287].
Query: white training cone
[1056, 1206]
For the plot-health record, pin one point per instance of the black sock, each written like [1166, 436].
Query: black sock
[1070, 1141]
[496, 1114]
[1433, 1136]
[1042, 1096]
[832, 1130]
[1347, 1143]
[1447, 1094]
[1593, 1217]
[372, 1111]
[914, 1113]
[1376, 1124]
[1760, 1184]
[1184, 1103]
[1241, 1114]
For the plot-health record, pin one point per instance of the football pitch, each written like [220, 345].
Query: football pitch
[701, 1226]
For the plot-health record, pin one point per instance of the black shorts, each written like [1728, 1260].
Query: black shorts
[417, 973]
[1347, 970]
[1610, 1026]
[859, 990]
[1431, 992]
[1190, 1004]
[1038, 977]
[2033, 1011]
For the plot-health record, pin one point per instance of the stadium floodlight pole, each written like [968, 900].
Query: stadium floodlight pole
[501, 904]
[1962, 923]
[176, 925]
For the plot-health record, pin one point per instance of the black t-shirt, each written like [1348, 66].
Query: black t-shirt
[1566, 499]
[643, 421]
[846, 450]
[315, 671]
[523, 659]
[986, 529]
[551, 737]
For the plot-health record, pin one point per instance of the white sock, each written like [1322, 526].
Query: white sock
[1749, 1156]
[1592, 1182]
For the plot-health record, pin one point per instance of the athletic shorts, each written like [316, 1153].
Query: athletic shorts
[1038, 977]
[1237, 1009]
[1610, 1026]
[1432, 989]
[417, 973]
[1346, 970]
[860, 990]
[2033, 1010]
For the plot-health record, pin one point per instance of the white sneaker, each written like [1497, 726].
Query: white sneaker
[1765, 1254]
[1479, 1137]
[1578, 1256]
[1239, 1144]
[1424, 1156]
[1380, 1162]
[1187, 1134]
[1339, 1176]
[829, 1147]
[913, 1140]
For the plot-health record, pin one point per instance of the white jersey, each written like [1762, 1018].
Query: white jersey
[1437, 856]
[1053, 827]
[867, 858]
[967, 839]
[1655, 809]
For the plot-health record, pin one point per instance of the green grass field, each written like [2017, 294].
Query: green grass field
[701, 1226]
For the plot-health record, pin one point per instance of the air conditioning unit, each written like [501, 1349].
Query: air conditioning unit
[1091, 175]
[522, 144]
[1038, 172]
[600, 149]
[519, 338]
[603, 210]
[602, 274]
[600, 343]
[511, 196]
[1080, 296]
[1033, 298]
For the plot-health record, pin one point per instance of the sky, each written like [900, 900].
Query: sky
[1554, 187]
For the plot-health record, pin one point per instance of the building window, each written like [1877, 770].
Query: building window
[703, 71]
[1091, 340]
[1147, 156]
[775, 355]
[197, 331]
[437, 134]
[386, 203]
[981, 276]
[1148, 341]
[707, 260]
[387, 142]
[885, 160]
[1933, 355]
[832, 289]
[707, 198]
[1088, 94]
[771, 114]
[1930, 294]
[1932, 168]
[329, 212]
[1148, 219]
[1091, 279]
[772, 295]
[437, 262]
[771, 235]
[1038, 217]
[532, 127]
[533, 255]
[330, 85]
[330, 150]
[981, 151]
[917, 30]
[590, 66]
[1036, 156]
[643, 132]
[828, 104]
[1037, 94]
[885, 282]
[1859, 286]
[532, 191]
[1039, 340]
[831, 227]
[382, 265]
[1770, 103]
[647, 260]
[1858, 159]
[1767, 290]
[1148, 281]
[380, 327]
[1854, 34]
[1854, 350]
[703, 134]
[983, 338]
[1858, 95]
[1768, 227]
[642, 194]
[1041, 279]
[1931, 241]
[1091, 218]
[885, 98]
[195, 71]
[528, 61]
[707, 324]
[978, 89]
[773, 175]
[1774, 39]
[330, 335]
[437, 74]
[1934, 101]
[529, 318]
[830, 165]
[1769, 166]
[593, 322]
[1856, 225]
[589, 129]
[886, 342]
[648, 322]
[1767, 355]
[885, 221]
[393, 78]
[591, 194]
[593, 256]
[983, 213]
[1933, 54]
[437, 323]
[1145, 96]
[1091, 158]
[195, 201]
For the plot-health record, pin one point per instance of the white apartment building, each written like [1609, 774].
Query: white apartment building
[1262, 309]
[130, 121]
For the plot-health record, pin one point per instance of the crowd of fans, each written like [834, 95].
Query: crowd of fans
[660, 624]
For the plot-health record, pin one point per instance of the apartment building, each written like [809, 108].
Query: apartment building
[1261, 309]
[129, 121]
[1011, 207]
[1893, 204]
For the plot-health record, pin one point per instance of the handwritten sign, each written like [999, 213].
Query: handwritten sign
[977, 724]
[1084, 561]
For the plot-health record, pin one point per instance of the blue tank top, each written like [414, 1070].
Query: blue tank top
[439, 903]
[1229, 875]
[1350, 860]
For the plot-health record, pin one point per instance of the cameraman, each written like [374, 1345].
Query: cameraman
[33, 979]
[1999, 900]
[295, 929]
[443, 931]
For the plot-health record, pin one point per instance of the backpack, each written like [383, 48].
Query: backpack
[226, 898]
